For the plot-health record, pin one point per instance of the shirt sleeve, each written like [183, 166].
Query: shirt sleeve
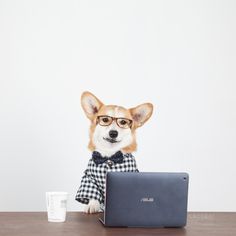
[134, 163]
[88, 189]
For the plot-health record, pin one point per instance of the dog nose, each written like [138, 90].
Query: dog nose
[113, 133]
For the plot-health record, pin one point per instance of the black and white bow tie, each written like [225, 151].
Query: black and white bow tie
[115, 158]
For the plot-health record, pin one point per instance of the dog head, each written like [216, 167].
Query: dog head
[113, 127]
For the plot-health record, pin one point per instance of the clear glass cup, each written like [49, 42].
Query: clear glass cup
[56, 206]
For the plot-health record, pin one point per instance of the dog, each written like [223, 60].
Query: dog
[112, 140]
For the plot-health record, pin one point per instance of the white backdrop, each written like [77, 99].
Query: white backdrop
[179, 55]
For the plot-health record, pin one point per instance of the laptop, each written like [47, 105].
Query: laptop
[145, 199]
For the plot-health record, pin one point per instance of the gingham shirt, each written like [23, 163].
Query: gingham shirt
[93, 182]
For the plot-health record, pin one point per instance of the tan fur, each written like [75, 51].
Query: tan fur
[90, 111]
[111, 110]
[91, 145]
[146, 118]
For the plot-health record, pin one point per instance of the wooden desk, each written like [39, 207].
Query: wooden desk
[81, 224]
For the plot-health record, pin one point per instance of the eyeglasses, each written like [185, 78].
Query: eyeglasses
[123, 123]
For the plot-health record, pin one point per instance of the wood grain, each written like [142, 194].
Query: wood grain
[81, 224]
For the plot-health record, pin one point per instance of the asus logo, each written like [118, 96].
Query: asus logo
[147, 199]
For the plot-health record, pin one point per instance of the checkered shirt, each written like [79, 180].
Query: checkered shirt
[94, 179]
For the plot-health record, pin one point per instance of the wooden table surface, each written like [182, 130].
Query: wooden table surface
[81, 224]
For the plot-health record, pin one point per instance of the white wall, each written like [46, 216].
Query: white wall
[179, 55]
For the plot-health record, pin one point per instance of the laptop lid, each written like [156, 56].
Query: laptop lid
[146, 199]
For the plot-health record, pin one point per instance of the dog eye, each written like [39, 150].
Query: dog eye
[105, 120]
[123, 122]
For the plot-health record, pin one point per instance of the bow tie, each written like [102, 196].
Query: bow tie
[99, 159]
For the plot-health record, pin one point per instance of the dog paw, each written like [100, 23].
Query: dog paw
[92, 207]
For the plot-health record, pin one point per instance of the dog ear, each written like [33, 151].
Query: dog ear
[141, 114]
[90, 104]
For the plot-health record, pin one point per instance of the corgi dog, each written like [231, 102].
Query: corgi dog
[112, 140]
